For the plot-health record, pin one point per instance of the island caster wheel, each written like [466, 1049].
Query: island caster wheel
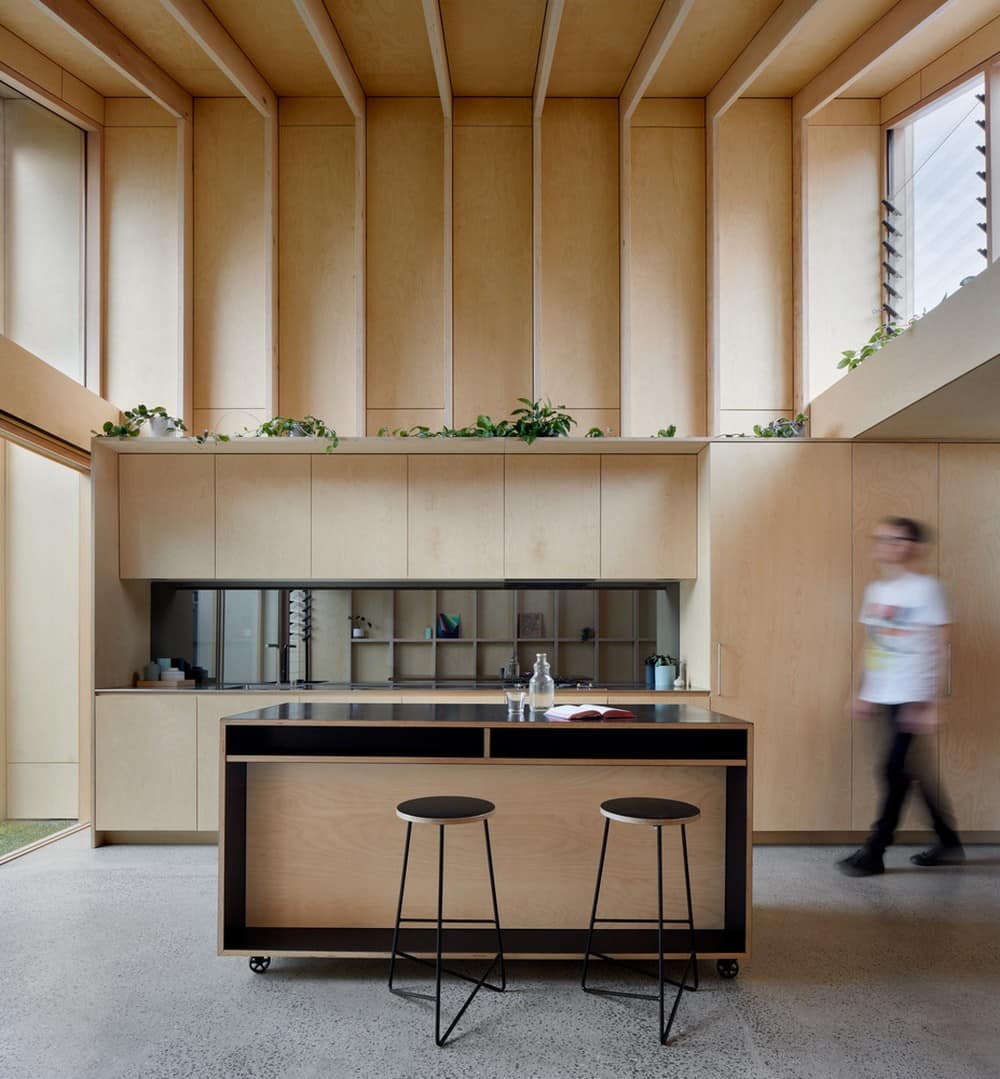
[727, 968]
[259, 963]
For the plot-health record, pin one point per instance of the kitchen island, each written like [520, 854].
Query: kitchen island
[310, 846]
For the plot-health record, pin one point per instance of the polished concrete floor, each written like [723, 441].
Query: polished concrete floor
[109, 971]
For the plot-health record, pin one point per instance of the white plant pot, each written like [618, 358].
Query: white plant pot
[357, 631]
[159, 426]
[663, 677]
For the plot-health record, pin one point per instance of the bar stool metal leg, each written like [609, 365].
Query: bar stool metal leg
[593, 912]
[399, 905]
[687, 889]
[439, 922]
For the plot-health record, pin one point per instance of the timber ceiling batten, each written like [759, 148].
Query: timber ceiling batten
[435, 37]
[202, 25]
[661, 36]
[326, 39]
[88, 25]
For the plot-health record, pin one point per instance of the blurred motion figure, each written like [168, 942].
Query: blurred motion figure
[904, 614]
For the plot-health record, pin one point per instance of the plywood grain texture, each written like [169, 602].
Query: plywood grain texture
[668, 358]
[230, 353]
[754, 227]
[579, 364]
[492, 363]
[405, 254]
[317, 362]
[782, 617]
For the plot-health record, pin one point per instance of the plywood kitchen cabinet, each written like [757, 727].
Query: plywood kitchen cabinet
[211, 708]
[552, 514]
[263, 517]
[782, 621]
[456, 506]
[649, 517]
[145, 755]
[970, 570]
[359, 517]
[890, 479]
[166, 520]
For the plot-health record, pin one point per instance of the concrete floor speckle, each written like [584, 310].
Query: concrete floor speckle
[110, 972]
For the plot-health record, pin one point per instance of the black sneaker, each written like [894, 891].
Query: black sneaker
[939, 855]
[862, 863]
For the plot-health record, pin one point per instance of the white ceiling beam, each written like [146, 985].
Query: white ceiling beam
[666, 26]
[435, 35]
[331, 48]
[88, 25]
[762, 48]
[204, 28]
[546, 52]
[894, 27]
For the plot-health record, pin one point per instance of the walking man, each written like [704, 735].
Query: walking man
[904, 614]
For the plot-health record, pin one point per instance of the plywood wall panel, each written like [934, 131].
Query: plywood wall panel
[230, 351]
[141, 223]
[754, 224]
[579, 363]
[317, 364]
[492, 363]
[667, 272]
[405, 254]
[843, 277]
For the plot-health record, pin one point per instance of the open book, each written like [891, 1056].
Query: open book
[587, 711]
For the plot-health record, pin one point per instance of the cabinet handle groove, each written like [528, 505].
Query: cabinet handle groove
[718, 668]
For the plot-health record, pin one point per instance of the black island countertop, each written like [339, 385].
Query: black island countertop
[485, 714]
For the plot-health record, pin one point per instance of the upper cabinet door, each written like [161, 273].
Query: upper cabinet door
[649, 517]
[262, 517]
[455, 517]
[552, 516]
[359, 517]
[166, 523]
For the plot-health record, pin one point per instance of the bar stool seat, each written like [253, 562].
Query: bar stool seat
[442, 811]
[652, 811]
[445, 809]
[657, 813]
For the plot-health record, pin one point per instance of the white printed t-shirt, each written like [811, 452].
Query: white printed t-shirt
[901, 652]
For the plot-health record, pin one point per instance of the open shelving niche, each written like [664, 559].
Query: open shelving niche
[622, 621]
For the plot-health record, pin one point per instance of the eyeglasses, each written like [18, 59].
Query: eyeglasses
[891, 539]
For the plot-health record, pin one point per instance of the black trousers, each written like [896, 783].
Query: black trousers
[901, 768]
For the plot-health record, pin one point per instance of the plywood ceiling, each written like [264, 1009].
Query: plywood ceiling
[934, 37]
[827, 30]
[43, 33]
[167, 43]
[387, 43]
[492, 46]
[273, 35]
[713, 35]
[597, 46]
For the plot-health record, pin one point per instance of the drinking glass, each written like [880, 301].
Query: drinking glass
[515, 703]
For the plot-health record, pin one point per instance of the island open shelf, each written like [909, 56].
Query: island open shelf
[310, 846]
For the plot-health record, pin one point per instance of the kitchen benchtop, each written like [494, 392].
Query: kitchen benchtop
[411, 689]
[466, 714]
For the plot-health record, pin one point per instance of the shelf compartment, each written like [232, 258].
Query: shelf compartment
[413, 661]
[458, 660]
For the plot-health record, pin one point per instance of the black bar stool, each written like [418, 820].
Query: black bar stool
[442, 811]
[658, 813]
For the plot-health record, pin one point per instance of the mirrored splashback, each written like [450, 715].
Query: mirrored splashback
[237, 637]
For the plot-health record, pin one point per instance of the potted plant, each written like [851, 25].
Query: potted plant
[359, 625]
[307, 427]
[660, 671]
[161, 423]
[782, 428]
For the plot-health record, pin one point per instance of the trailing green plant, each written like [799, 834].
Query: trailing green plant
[594, 432]
[307, 427]
[666, 432]
[134, 418]
[358, 621]
[210, 436]
[782, 428]
[852, 358]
